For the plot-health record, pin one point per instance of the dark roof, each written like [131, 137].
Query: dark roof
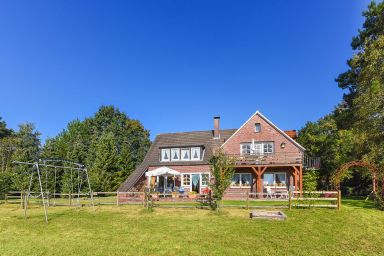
[181, 139]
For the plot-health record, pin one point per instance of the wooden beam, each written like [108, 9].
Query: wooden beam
[301, 178]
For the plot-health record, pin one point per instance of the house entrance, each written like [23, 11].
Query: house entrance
[196, 183]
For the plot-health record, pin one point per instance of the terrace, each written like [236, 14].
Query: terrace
[280, 158]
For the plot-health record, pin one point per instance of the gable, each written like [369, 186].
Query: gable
[269, 133]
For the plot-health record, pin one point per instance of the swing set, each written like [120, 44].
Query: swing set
[76, 173]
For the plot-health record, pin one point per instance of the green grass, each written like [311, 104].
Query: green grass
[357, 229]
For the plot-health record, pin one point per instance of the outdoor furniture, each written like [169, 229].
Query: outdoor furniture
[182, 192]
[270, 194]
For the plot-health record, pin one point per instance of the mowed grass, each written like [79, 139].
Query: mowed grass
[357, 229]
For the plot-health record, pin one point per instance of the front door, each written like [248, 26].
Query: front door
[196, 183]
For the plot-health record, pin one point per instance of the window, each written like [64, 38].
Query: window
[278, 179]
[186, 180]
[257, 127]
[246, 148]
[175, 154]
[256, 148]
[195, 153]
[268, 147]
[241, 180]
[166, 155]
[180, 154]
[204, 179]
[185, 154]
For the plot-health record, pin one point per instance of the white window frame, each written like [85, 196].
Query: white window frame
[190, 179]
[162, 155]
[199, 154]
[182, 180]
[257, 125]
[201, 179]
[268, 143]
[173, 150]
[274, 179]
[241, 182]
[182, 154]
[244, 144]
[260, 145]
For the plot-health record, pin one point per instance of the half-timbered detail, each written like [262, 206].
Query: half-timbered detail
[268, 160]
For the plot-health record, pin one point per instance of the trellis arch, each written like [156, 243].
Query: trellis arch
[338, 174]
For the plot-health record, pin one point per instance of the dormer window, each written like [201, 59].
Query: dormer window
[175, 154]
[180, 154]
[185, 154]
[195, 153]
[257, 127]
[165, 155]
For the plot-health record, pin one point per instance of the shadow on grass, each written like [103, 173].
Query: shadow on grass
[358, 202]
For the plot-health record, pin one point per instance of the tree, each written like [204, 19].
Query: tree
[109, 143]
[4, 131]
[222, 169]
[27, 149]
[373, 28]
[355, 129]
[106, 164]
[332, 145]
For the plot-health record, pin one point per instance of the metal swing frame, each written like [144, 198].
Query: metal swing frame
[50, 163]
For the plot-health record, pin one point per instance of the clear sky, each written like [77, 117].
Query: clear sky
[173, 64]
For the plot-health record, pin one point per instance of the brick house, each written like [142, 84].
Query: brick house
[268, 160]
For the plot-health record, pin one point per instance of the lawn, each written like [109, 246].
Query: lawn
[357, 229]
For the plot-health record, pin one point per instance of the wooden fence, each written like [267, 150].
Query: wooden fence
[288, 200]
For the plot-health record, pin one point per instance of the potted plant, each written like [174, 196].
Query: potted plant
[192, 194]
[175, 194]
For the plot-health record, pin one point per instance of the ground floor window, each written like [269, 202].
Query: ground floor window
[204, 179]
[275, 179]
[241, 180]
[186, 180]
[195, 181]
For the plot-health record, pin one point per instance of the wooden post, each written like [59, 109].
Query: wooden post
[6, 198]
[21, 200]
[247, 200]
[301, 178]
[117, 198]
[338, 200]
[70, 198]
[289, 199]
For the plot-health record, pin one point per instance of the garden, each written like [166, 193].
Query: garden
[356, 229]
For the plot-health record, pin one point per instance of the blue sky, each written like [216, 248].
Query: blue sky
[173, 64]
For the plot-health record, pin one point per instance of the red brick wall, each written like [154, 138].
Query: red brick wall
[268, 133]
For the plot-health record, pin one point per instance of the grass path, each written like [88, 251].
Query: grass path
[357, 229]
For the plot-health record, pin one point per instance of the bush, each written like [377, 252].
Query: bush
[311, 179]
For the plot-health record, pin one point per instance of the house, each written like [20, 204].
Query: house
[267, 159]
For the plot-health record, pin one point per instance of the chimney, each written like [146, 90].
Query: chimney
[216, 127]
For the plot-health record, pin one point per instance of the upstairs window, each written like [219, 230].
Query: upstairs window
[185, 154]
[166, 155]
[175, 154]
[180, 154]
[268, 147]
[246, 148]
[256, 148]
[257, 127]
[195, 153]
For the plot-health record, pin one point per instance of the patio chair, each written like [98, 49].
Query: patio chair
[182, 192]
[270, 194]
